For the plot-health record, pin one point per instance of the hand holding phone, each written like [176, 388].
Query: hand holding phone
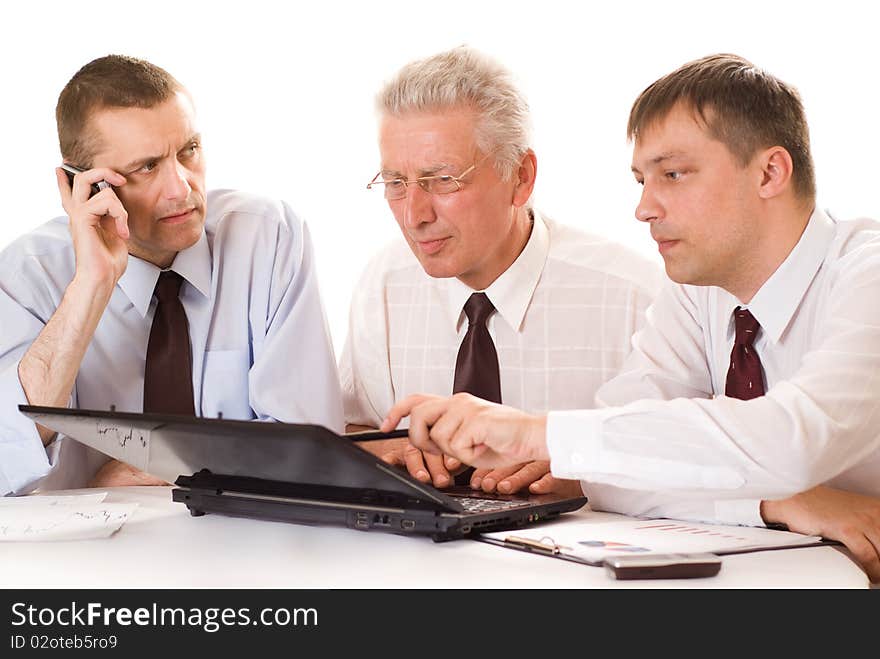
[98, 224]
[98, 208]
[663, 566]
[73, 171]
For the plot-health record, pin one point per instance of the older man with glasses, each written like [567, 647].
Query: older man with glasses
[484, 295]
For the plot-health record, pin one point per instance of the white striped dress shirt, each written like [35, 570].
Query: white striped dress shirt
[566, 311]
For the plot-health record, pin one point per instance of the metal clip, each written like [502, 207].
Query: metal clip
[546, 544]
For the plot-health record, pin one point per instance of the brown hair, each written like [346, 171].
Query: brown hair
[742, 106]
[114, 81]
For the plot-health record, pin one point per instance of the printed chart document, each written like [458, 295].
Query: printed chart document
[591, 541]
[51, 518]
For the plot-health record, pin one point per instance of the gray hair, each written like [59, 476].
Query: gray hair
[464, 77]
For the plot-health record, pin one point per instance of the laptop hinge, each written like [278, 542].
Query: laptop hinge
[209, 482]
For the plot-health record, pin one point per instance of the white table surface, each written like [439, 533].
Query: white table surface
[162, 546]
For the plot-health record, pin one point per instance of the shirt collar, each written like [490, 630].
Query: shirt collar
[777, 300]
[193, 264]
[511, 293]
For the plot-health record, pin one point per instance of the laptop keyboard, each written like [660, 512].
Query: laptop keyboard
[473, 505]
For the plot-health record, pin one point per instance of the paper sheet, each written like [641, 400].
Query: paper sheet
[53, 518]
[595, 540]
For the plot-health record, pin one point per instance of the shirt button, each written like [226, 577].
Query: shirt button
[577, 459]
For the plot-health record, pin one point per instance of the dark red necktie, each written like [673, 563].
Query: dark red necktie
[476, 368]
[745, 377]
[168, 371]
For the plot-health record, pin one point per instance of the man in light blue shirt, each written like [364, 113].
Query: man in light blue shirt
[77, 294]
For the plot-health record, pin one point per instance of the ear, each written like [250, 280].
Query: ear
[525, 178]
[776, 172]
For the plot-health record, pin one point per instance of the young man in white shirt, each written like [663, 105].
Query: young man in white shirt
[77, 294]
[766, 285]
[457, 172]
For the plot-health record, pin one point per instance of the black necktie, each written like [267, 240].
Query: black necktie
[476, 368]
[745, 378]
[168, 370]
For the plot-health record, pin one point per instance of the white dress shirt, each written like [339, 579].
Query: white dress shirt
[566, 311]
[260, 342]
[698, 454]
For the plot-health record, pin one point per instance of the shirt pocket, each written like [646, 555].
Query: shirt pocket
[225, 384]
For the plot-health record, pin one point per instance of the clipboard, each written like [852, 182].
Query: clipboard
[547, 546]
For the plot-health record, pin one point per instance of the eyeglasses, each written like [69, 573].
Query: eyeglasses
[395, 188]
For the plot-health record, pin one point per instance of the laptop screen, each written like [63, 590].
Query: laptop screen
[169, 446]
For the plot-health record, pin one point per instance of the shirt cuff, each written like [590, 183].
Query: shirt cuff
[573, 442]
[742, 512]
[23, 458]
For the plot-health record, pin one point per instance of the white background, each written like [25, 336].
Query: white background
[285, 95]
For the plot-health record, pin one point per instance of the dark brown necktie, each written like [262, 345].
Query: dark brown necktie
[745, 378]
[168, 371]
[476, 368]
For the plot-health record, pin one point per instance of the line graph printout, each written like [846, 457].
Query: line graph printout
[594, 540]
[123, 442]
[55, 518]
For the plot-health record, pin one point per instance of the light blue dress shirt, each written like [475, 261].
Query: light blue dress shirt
[260, 342]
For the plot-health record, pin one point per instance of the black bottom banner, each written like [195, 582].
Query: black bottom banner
[239, 623]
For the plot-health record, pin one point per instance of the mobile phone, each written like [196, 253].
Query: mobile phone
[72, 171]
[663, 566]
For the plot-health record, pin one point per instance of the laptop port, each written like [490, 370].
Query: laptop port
[408, 524]
[381, 520]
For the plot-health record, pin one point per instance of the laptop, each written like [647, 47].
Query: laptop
[297, 473]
